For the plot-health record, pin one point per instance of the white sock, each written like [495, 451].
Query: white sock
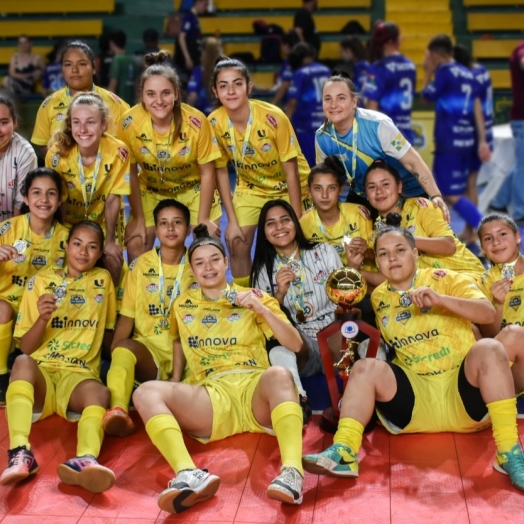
[281, 356]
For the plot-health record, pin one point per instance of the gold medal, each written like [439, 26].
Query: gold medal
[508, 272]
[21, 245]
[405, 300]
[164, 324]
[60, 293]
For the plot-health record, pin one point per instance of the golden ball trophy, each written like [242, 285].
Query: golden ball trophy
[346, 287]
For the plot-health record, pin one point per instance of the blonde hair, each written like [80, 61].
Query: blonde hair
[63, 137]
[158, 64]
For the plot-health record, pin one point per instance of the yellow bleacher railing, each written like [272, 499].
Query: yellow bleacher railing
[7, 52]
[493, 48]
[495, 21]
[23, 7]
[285, 4]
[50, 28]
[492, 3]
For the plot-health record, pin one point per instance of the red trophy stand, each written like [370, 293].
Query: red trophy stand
[330, 416]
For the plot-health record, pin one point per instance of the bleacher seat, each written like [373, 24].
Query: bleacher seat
[492, 3]
[7, 52]
[509, 21]
[50, 28]
[488, 49]
[284, 4]
[500, 78]
[30, 7]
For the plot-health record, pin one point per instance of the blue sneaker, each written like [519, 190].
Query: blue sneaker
[336, 461]
[512, 463]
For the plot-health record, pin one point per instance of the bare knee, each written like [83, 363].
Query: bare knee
[6, 312]
[278, 377]
[143, 394]
[486, 353]
[24, 368]
[368, 367]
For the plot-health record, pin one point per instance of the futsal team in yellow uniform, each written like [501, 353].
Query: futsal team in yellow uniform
[194, 344]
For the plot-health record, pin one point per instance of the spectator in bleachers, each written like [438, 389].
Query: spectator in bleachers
[53, 79]
[199, 89]
[458, 112]
[391, 80]
[463, 56]
[188, 42]
[78, 68]
[124, 69]
[150, 39]
[304, 24]
[512, 190]
[285, 75]
[17, 158]
[354, 56]
[304, 106]
[103, 61]
[25, 69]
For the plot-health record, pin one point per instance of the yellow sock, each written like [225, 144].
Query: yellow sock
[90, 433]
[120, 377]
[20, 399]
[242, 281]
[503, 415]
[166, 435]
[287, 420]
[350, 433]
[6, 339]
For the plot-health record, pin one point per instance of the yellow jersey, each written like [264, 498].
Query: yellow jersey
[169, 169]
[354, 221]
[511, 312]
[113, 177]
[141, 289]
[53, 110]
[219, 338]
[73, 336]
[431, 340]
[39, 253]
[271, 140]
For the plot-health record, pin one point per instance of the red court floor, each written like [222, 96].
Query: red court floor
[445, 478]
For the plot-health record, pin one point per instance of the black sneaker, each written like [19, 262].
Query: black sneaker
[21, 463]
[306, 409]
[4, 382]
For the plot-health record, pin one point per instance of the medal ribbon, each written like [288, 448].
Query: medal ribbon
[176, 286]
[246, 139]
[64, 284]
[296, 289]
[508, 267]
[354, 148]
[162, 168]
[87, 203]
[322, 228]
[25, 236]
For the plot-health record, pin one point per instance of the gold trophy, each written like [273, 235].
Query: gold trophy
[346, 287]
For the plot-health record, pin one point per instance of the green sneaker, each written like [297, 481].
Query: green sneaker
[336, 461]
[512, 463]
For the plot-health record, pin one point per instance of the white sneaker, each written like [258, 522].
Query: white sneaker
[188, 488]
[287, 487]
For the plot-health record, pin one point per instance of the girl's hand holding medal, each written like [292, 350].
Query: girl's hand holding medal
[46, 305]
[7, 253]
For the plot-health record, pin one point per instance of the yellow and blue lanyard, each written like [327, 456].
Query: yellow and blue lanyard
[87, 203]
[164, 323]
[246, 139]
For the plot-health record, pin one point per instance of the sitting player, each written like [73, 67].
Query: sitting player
[229, 387]
[440, 378]
[154, 281]
[61, 326]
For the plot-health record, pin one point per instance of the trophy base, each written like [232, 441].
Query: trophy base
[344, 313]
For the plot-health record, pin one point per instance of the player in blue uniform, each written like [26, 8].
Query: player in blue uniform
[457, 112]
[285, 75]
[354, 55]
[304, 106]
[391, 79]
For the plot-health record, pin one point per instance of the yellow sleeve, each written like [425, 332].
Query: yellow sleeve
[111, 306]
[41, 135]
[122, 184]
[223, 159]
[125, 135]
[286, 140]
[273, 305]
[130, 292]
[432, 222]
[461, 286]
[207, 144]
[28, 313]
[173, 326]
[486, 281]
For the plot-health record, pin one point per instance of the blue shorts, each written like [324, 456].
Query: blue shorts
[451, 171]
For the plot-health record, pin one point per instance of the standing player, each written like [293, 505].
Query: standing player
[173, 144]
[257, 138]
[458, 111]
[78, 68]
[61, 326]
[153, 283]
[285, 74]
[220, 333]
[304, 105]
[441, 379]
[28, 243]
[391, 80]
[17, 158]
[354, 56]
[95, 171]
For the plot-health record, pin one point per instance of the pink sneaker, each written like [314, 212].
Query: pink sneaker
[21, 463]
[118, 423]
[86, 472]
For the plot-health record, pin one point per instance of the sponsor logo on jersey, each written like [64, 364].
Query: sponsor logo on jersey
[60, 106]
[249, 150]
[214, 140]
[31, 283]
[209, 320]
[398, 142]
[5, 228]
[266, 147]
[292, 140]
[226, 136]
[123, 153]
[59, 262]
[127, 121]
[234, 317]
[144, 151]
[70, 184]
[385, 321]
[187, 319]
[514, 303]
[183, 137]
[213, 122]
[151, 273]
[321, 277]
[364, 211]
[108, 168]
[272, 120]
[397, 343]
[67, 173]
[69, 323]
[188, 304]
[403, 317]
[99, 298]
[77, 300]
[100, 283]
[59, 117]
[55, 160]
[195, 121]
[184, 151]
[194, 285]
[412, 229]
[439, 273]
[422, 202]
[39, 261]
[143, 137]
[19, 259]
[127, 178]
[152, 288]
[116, 98]
[382, 306]
[261, 133]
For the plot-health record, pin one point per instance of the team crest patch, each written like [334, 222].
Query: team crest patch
[39, 261]
[385, 321]
[399, 142]
[116, 98]
[364, 211]
[184, 151]
[59, 262]
[412, 229]
[144, 151]
[59, 117]
[123, 153]
[152, 288]
[70, 185]
[77, 300]
[439, 273]
[163, 155]
[195, 121]
[99, 298]
[272, 120]
[5, 228]
[108, 168]
[19, 259]
[422, 202]
[209, 320]
[234, 317]
[257, 292]
[403, 317]
[127, 121]
[55, 160]
[100, 283]
[194, 285]
[213, 122]
[183, 137]
[31, 283]
[321, 277]
[266, 147]
[514, 303]
[187, 319]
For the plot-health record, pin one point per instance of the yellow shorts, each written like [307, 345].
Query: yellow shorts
[60, 385]
[231, 397]
[161, 349]
[191, 199]
[248, 205]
